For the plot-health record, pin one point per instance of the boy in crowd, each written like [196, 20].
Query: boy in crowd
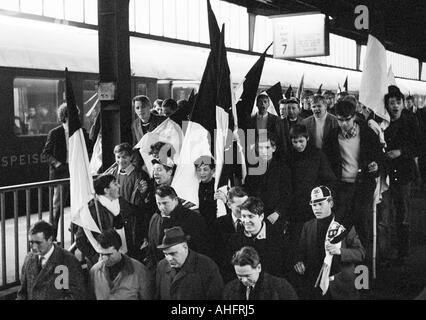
[343, 256]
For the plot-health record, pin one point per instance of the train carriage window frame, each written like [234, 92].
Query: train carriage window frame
[35, 101]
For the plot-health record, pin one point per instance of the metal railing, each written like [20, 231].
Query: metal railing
[11, 229]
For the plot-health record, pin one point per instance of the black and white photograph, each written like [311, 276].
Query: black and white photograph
[212, 154]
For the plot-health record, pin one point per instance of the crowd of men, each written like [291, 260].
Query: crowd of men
[296, 230]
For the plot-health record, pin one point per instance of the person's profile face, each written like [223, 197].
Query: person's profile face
[110, 256]
[176, 255]
[38, 244]
[235, 205]
[113, 190]
[283, 110]
[161, 175]
[123, 159]
[252, 222]
[247, 274]
[299, 143]
[262, 104]
[143, 111]
[166, 204]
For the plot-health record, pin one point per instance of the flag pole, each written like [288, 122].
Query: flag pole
[374, 238]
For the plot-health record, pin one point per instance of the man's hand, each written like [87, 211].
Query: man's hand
[300, 267]
[57, 164]
[273, 217]
[220, 195]
[142, 186]
[333, 249]
[393, 154]
[373, 167]
[144, 244]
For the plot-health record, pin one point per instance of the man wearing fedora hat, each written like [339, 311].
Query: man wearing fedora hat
[314, 247]
[185, 274]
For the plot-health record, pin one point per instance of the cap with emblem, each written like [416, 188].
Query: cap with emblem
[320, 194]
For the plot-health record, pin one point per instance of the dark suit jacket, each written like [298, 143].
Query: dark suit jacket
[41, 286]
[155, 121]
[223, 229]
[330, 124]
[198, 279]
[370, 150]
[55, 150]
[352, 252]
[273, 187]
[267, 287]
[192, 224]
[406, 138]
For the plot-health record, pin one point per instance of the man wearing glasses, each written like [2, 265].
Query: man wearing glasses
[355, 154]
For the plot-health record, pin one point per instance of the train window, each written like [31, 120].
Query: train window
[91, 105]
[35, 104]
[141, 88]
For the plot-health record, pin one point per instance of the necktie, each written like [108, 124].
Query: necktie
[240, 226]
[248, 289]
[39, 263]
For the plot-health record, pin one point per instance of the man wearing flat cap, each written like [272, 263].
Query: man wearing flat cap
[185, 274]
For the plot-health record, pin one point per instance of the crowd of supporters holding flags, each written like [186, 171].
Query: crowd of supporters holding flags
[289, 216]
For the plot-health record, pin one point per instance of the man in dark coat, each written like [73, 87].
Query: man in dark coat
[171, 213]
[355, 156]
[50, 272]
[311, 253]
[253, 283]
[146, 120]
[115, 213]
[270, 181]
[269, 240]
[185, 274]
[56, 152]
[402, 138]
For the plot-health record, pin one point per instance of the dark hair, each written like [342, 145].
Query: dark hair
[109, 238]
[62, 112]
[410, 97]
[158, 102]
[103, 182]
[307, 93]
[161, 149]
[42, 226]
[124, 147]
[344, 108]
[236, 192]
[166, 191]
[205, 160]
[318, 98]
[351, 98]
[342, 94]
[246, 256]
[143, 99]
[265, 137]
[254, 205]
[329, 93]
[283, 101]
[181, 103]
[299, 130]
[393, 92]
[170, 103]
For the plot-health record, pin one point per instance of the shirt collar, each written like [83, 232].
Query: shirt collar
[65, 126]
[260, 116]
[48, 254]
[351, 133]
[126, 171]
[261, 234]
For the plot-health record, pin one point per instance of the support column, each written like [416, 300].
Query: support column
[252, 25]
[114, 66]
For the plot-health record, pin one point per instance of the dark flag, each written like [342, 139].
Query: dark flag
[289, 93]
[275, 93]
[300, 89]
[320, 90]
[345, 85]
